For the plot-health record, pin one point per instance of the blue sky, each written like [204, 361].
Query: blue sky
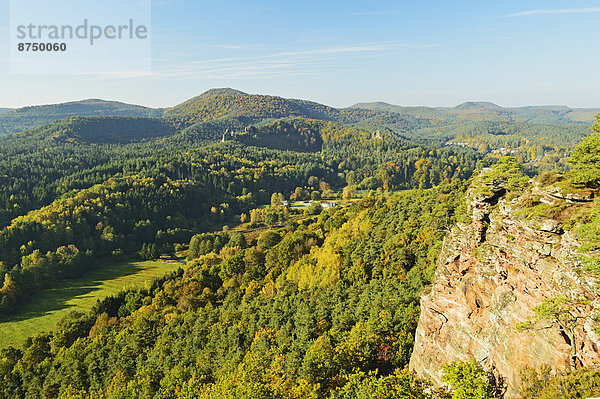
[437, 53]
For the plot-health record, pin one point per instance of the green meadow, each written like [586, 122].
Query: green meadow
[44, 309]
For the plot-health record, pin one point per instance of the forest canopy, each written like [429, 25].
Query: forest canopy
[305, 234]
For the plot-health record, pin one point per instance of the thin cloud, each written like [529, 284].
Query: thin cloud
[532, 13]
[236, 46]
[280, 64]
[340, 50]
[168, 4]
[310, 54]
[364, 13]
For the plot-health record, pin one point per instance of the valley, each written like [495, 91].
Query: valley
[300, 200]
[45, 309]
[329, 253]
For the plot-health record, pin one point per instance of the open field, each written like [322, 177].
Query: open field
[44, 309]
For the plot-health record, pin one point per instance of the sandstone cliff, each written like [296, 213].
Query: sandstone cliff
[492, 272]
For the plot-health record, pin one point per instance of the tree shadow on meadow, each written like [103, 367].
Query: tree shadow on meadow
[57, 298]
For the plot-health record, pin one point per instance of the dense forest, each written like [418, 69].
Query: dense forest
[319, 306]
[272, 300]
[68, 186]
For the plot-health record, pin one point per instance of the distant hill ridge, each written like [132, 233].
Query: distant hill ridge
[239, 109]
[219, 103]
[30, 117]
[104, 129]
[90, 104]
[483, 105]
[473, 104]
[545, 114]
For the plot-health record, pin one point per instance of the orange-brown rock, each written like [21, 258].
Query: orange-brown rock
[491, 273]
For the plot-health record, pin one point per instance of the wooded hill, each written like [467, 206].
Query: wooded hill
[274, 301]
[561, 126]
[21, 119]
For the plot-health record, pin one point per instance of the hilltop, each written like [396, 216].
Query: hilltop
[482, 110]
[218, 103]
[531, 131]
[103, 129]
[319, 250]
[25, 118]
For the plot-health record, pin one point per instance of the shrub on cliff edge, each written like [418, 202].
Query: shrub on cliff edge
[586, 160]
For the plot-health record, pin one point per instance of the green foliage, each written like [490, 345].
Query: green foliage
[563, 313]
[586, 160]
[221, 103]
[477, 111]
[469, 380]
[543, 384]
[530, 142]
[232, 324]
[237, 239]
[529, 132]
[295, 134]
[205, 243]
[381, 238]
[561, 310]
[349, 192]
[268, 239]
[588, 232]
[109, 130]
[63, 239]
[325, 306]
[149, 251]
[506, 173]
[399, 385]
[314, 208]
[27, 118]
[44, 309]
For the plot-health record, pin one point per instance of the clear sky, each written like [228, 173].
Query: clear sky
[342, 52]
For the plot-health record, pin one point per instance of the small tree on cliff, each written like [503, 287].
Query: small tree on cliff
[471, 381]
[586, 160]
[507, 172]
[562, 313]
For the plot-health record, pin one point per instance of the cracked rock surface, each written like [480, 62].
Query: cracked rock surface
[491, 273]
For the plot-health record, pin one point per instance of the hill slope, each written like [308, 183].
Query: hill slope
[219, 103]
[104, 129]
[30, 117]
[239, 109]
[477, 111]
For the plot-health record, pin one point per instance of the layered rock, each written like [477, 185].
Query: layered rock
[492, 272]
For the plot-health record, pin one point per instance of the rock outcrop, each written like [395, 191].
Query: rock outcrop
[491, 274]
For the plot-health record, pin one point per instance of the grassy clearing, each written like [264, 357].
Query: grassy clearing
[44, 309]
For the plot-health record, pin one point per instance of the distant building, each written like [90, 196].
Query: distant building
[460, 144]
[504, 151]
[328, 204]
[324, 204]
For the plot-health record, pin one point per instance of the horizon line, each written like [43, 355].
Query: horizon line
[542, 105]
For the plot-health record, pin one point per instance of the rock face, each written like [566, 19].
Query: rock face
[491, 273]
